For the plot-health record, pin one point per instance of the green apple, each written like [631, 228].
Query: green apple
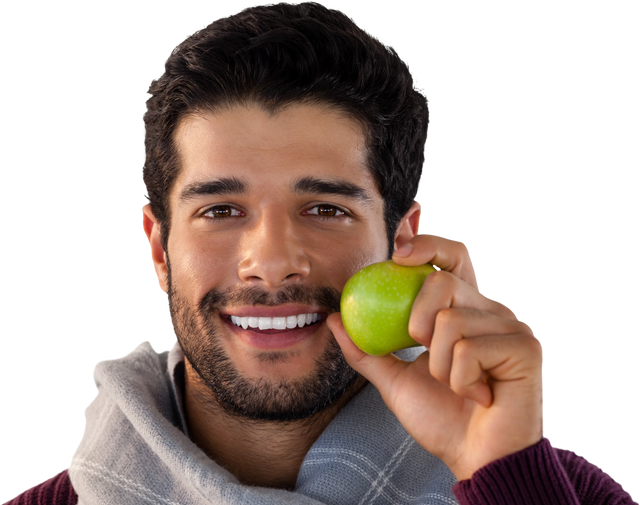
[376, 304]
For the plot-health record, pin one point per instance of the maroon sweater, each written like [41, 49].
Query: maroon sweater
[539, 475]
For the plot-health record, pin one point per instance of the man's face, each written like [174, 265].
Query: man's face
[271, 214]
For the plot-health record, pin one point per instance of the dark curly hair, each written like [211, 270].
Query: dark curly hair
[281, 54]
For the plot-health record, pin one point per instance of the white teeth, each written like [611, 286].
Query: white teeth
[292, 321]
[276, 323]
[266, 323]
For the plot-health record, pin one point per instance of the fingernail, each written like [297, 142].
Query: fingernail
[404, 251]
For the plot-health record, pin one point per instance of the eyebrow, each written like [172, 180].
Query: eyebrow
[302, 186]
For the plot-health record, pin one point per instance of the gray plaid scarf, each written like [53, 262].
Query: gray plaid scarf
[135, 449]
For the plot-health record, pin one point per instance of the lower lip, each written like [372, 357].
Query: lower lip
[274, 339]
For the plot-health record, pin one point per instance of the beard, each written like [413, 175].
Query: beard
[199, 334]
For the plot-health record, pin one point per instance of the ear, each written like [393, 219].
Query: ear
[408, 227]
[152, 229]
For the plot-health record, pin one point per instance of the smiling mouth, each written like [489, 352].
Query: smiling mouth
[272, 331]
[276, 333]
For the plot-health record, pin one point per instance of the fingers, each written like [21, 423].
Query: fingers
[471, 348]
[496, 359]
[443, 290]
[453, 325]
[448, 255]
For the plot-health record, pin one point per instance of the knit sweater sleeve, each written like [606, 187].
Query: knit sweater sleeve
[55, 491]
[541, 474]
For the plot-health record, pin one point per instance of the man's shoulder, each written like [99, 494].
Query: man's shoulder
[55, 491]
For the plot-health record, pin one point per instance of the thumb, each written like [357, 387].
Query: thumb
[381, 371]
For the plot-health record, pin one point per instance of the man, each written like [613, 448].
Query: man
[284, 148]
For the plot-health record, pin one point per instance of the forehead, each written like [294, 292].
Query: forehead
[248, 142]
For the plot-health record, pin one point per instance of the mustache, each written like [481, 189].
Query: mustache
[327, 298]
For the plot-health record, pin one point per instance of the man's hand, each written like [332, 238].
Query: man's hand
[476, 395]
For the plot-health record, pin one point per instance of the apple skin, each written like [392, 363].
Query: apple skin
[376, 304]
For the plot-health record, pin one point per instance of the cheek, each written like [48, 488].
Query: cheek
[359, 260]
[203, 273]
[340, 266]
[199, 265]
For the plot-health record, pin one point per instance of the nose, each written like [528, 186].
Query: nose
[273, 254]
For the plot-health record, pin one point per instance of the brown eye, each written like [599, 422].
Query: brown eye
[325, 210]
[218, 211]
[222, 211]
[322, 208]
